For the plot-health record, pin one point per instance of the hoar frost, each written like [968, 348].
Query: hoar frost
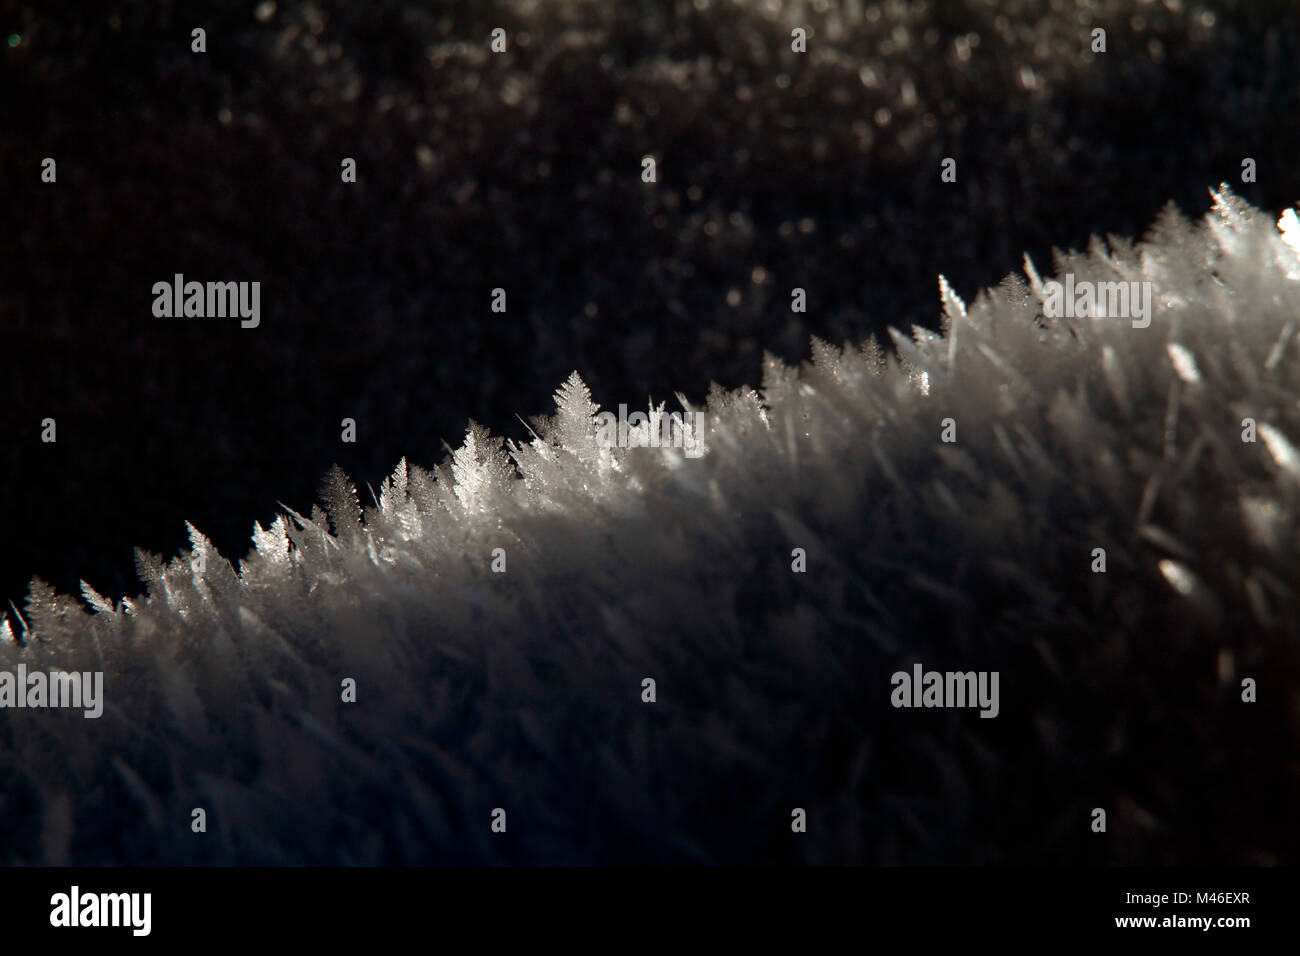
[1072, 502]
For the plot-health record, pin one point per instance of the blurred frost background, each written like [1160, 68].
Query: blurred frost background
[521, 171]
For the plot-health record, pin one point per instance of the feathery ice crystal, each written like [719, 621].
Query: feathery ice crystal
[512, 678]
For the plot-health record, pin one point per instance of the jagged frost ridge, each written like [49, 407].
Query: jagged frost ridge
[522, 689]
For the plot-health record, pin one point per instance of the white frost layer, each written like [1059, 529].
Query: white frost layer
[523, 689]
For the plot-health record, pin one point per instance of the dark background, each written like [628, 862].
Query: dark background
[523, 171]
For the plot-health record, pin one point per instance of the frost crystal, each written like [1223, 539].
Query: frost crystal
[516, 683]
